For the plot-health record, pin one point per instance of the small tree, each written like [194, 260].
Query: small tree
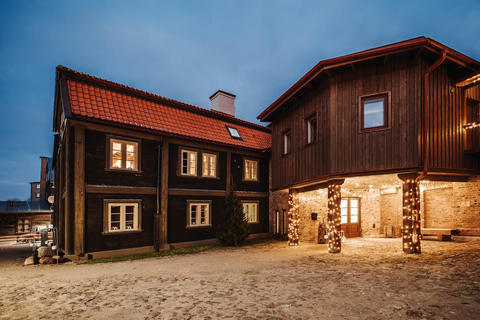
[233, 229]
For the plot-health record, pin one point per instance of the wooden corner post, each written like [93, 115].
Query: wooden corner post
[334, 228]
[293, 218]
[164, 196]
[79, 189]
[411, 233]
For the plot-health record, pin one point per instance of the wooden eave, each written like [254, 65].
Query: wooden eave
[469, 80]
[421, 45]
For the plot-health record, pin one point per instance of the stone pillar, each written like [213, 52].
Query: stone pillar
[293, 218]
[334, 228]
[411, 232]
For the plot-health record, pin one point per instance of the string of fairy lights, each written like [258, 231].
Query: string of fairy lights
[472, 125]
[411, 191]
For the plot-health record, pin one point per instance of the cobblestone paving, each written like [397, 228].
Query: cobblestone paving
[370, 279]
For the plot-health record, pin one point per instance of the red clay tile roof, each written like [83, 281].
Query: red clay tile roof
[98, 99]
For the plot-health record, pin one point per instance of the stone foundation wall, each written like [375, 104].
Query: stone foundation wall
[453, 205]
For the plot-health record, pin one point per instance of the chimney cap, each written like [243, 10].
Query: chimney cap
[221, 91]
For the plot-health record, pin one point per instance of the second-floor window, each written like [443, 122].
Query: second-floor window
[189, 163]
[374, 111]
[287, 142]
[209, 165]
[311, 129]
[123, 155]
[251, 170]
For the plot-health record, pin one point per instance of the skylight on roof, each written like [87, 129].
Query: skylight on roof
[234, 133]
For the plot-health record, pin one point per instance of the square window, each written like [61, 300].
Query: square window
[251, 170]
[287, 142]
[250, 209]
[374, 111]
[199, 213]
[124, 155]
[38, 186]
[234, 133]
[189, 163]
[209, 165]
[38, 195]
[122, 215]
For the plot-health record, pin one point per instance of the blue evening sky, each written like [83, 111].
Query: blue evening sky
[186, 50]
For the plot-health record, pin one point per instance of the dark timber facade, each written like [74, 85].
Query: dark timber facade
[137, 172]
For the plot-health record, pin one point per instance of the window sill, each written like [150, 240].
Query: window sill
[254, 222]
[308, 145]
[109, 233]
[199, 226]
[250, 180]
[374, 129]
[123, 170]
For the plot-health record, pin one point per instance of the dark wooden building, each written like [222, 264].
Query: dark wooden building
[407, 110]
[137, 172]
[21, 217]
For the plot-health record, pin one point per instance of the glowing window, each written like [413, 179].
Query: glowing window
[250, 209]
[189, 163]
[198, 214]
[251, 170]
[123, 155]
[209, 165]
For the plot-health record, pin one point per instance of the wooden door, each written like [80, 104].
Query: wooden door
[350, 211]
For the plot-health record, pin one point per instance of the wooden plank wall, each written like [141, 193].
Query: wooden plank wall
[340, 147]
[447, 118]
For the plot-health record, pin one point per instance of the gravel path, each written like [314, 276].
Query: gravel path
[370, 279]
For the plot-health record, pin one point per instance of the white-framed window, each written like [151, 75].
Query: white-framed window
[122, 215]
[199, 213]
[250, 209]
[311, 130]
[189, 163]
[287, 142]
[123, 155]
[209, 165]
[251, 170]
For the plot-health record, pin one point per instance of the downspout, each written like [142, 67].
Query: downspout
[156, 241]
[426, 115]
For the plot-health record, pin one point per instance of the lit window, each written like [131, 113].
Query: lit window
[123, 155]
[286, 142]
[234, 133]
[209, 165]
[189, 163]
[23, 225]
[344, 211]
[251, 170]
[38, 186]
[198, 214]
[121, 216]
[311, 130]
[38, 195]
[374, 111]
[250, 209]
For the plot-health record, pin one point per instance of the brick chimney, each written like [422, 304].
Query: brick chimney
[223, 102]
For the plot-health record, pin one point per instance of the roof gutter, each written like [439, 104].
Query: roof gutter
[426, 114]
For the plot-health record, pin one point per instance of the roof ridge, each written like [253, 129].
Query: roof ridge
[153, 95]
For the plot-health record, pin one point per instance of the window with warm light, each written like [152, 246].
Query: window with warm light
[189, 163]
[123, 155]
[287, 142]
[374, 111]
[250, 209]
[209, 165]
[198, 214]
[122, 216]
[251, 170]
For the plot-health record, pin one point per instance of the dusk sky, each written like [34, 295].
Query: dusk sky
[186, 50]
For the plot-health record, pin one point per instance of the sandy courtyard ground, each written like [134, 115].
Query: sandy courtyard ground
[370, 279]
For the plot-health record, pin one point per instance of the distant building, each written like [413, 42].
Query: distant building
[41, 190]
[19, 217]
